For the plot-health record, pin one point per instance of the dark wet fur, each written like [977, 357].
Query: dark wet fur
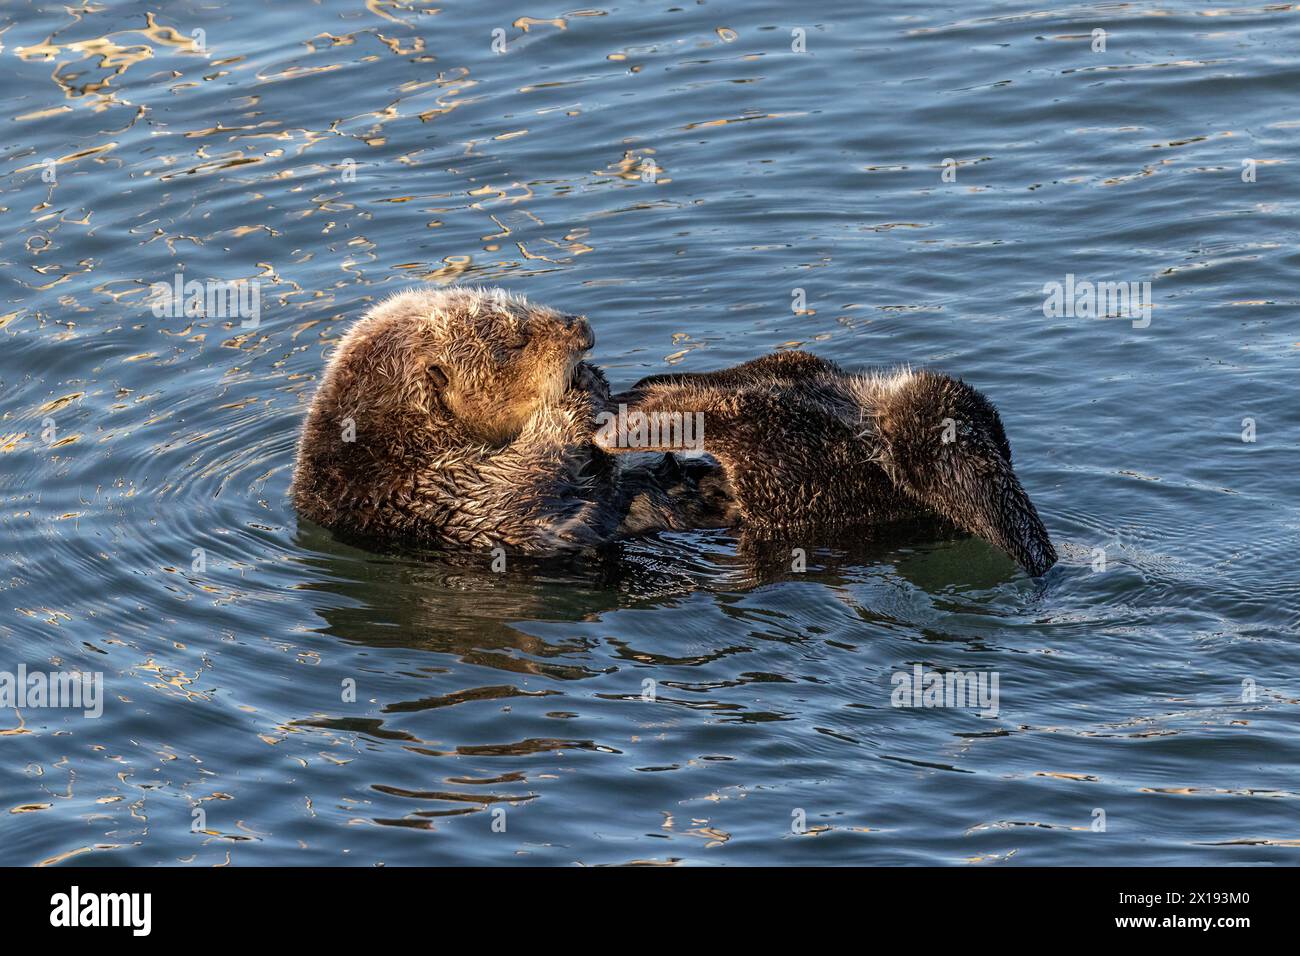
[809, 448]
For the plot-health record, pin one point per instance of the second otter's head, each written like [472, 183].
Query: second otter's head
[943, 443]
[477, 363]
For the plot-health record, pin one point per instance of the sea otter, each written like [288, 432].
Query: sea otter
[462, 418]
[807, 446]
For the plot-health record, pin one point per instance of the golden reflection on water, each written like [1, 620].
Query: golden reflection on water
[110, 55]
[228, 146]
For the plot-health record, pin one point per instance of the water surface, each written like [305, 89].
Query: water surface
[677, 172]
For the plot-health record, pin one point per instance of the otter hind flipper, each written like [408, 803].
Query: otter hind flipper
[942, 442]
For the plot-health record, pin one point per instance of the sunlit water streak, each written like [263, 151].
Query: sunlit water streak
[1120, 690]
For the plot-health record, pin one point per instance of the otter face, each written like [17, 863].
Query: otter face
[475, 363]
[505, 364]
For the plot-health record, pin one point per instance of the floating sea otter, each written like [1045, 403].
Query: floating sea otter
[808, 446]
[463, 418]
[466, 418]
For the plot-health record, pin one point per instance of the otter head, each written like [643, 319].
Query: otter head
[943, 443]
[466, 365]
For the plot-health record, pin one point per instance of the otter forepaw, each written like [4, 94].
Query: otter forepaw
[574, 416]
[587, 378]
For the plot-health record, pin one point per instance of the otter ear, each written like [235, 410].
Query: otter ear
[438, 377]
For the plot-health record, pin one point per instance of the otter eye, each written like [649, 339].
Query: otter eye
[438, 376]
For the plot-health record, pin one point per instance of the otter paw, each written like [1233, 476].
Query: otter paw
[572, 419]
[582, 406]
[591, 380]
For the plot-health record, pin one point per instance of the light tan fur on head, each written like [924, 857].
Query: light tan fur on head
[483, 357]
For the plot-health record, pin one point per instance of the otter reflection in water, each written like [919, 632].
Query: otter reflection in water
[466, 419]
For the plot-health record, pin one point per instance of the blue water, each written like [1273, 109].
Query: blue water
[500, 719]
